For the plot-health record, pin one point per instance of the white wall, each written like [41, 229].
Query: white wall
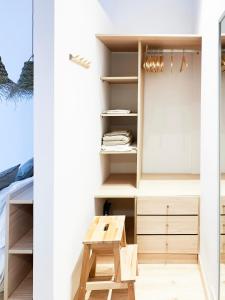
[44, 150]
[209, 244]
[150, 16]
[16, 121]
[77, 132]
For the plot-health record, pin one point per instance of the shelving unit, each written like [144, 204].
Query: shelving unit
[19, 245]
[164, 177]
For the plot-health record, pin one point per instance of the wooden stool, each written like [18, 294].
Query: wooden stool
[106, 234]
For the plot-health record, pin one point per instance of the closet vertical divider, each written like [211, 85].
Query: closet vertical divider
[140, 123]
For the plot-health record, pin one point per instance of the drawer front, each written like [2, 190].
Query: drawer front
[167, 205]
[167, 225]
[222, 224]
[222, 243]
[168, 244]
[222, 206]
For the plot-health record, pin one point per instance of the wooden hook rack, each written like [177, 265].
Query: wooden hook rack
[80, 60]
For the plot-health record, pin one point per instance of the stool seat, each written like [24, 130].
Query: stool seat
[105, 229]
[106, 234]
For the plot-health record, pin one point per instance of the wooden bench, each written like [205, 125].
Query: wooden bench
[106, 235]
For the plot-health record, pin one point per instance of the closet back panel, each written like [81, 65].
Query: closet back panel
[222, 157]
[124, 64]
[172, 118]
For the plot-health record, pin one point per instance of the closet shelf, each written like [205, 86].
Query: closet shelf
[119, 115]
[25, 290]
[123, 79]
[118, 186]
[23, 245]
[169, 185]
[134, 151]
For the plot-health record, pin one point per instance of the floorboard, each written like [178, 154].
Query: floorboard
[160, 282]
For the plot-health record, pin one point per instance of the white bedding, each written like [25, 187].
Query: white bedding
[3, 198]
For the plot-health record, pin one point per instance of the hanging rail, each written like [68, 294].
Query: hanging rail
[169, 51]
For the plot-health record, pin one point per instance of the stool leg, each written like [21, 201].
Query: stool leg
[84, 273]
[131, 292]
[116, 252]
[93, 267]
[124, 240]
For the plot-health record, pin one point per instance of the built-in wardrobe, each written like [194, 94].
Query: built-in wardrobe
[157, 183]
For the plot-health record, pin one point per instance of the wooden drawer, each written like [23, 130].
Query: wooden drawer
[222, 224]
[167, 225]
[168, 244]
[167, 205]
[222, 243]
[222, 206]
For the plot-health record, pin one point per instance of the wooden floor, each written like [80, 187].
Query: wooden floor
[222, 281]
[162, 282]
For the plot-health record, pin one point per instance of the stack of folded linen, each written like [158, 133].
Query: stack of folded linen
[118, 141]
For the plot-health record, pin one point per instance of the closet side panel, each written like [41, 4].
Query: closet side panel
[140, 112]
[222, 111]
[172, 118]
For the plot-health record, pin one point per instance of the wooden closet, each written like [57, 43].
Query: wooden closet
[157, 185]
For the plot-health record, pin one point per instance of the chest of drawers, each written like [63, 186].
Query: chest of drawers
[168, 225]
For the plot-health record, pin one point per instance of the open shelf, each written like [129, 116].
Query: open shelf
[25, 290]
[122, 79]
[24, 245]
[118, 186]
[169, 185]
[119, 115]
[133, 151]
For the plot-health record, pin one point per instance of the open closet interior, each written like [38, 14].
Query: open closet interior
[150, 148]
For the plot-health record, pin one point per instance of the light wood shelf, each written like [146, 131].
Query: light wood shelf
[118, 186]
[120, 80]
[119, 115]
[134, 151]
[24, 245]
[25, 290]
[119, 43]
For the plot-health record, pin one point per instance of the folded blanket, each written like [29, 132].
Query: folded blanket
[119, 148]
[117, 111]
[118, 132]
[123, 138]
[114, 143]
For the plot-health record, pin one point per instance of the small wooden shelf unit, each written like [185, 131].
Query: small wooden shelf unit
[19, 245]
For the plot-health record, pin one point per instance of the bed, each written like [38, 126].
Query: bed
[4, 196]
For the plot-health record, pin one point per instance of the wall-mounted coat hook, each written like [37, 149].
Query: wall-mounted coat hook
[80, 61]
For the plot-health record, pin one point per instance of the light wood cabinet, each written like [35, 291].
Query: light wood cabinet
[19, 245]
[167, 224]
[167, 205]
[161, 174]
[168, 244]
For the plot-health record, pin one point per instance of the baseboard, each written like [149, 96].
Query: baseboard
[75, 279]
[151, 258]
[208, 295]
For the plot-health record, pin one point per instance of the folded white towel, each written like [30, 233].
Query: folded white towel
[118, 132]
[123, 138]
[117, 111]
[119, 148]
